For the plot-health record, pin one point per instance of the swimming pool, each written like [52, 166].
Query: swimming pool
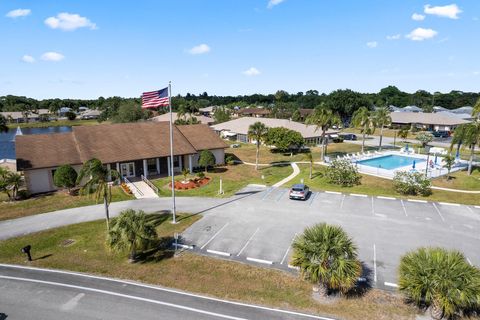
[390, 162]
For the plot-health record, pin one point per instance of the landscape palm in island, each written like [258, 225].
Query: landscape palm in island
[279, 194]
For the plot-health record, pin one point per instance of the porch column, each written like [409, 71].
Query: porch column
[145, 168]
[168, 166]
[158, 165]
[190, 163]
[180, 158]
[118, 168]
[109, 178]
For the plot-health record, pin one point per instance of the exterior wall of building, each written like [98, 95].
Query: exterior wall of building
[39, 180]
[219, 156]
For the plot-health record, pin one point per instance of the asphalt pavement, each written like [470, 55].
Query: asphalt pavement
[31, 293]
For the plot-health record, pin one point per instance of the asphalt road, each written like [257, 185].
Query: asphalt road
[27, 293]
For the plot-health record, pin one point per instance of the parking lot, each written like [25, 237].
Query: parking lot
[260, 228]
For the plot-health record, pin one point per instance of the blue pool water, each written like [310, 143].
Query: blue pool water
[390, 162]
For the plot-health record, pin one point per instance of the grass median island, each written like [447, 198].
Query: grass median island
[190, 272]
[51, 202]
[234, 178]
[375, 186]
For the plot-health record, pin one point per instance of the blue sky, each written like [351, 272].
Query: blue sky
[86, 48]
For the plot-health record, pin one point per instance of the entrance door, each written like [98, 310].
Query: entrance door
[127, 169]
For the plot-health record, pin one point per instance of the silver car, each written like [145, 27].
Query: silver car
[299, 192]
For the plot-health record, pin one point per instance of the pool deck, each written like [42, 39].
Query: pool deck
[437, 170]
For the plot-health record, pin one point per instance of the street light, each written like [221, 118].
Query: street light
[427, 149]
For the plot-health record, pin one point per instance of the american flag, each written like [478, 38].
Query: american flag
[154, 99]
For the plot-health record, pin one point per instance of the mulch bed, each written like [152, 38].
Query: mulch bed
[191, 184]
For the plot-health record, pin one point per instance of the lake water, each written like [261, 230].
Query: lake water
[7, 140]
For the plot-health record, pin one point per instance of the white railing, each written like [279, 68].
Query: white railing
[149, 183]
[130, 184]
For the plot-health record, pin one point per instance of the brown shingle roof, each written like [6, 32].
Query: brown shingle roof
[45, 150]
[247, 111]
[202, 137]
[112, 143]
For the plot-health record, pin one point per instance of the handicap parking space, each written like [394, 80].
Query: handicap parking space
[459, 217]
[389, 208]
[203, 231]
[422, 211]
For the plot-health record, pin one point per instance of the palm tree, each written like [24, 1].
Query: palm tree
[323, 119]
[441, 279]
[327, 257]
[449, 160]
[10, 182]
[476, 109]
[3, 124]
[131, 231]
[257, 132]
[467, 134]
[98, 182]
[382, 118]
[310, 160]
[363, 119]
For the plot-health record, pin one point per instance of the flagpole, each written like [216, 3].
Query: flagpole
[174, 218]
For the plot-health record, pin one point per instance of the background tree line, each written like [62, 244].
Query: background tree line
[281, 104]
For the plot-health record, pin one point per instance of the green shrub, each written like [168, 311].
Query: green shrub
[412, 183]
[343, 173]
[65, 177]
[229, 159]
[200, 175]
[71, 115]
[207, 159]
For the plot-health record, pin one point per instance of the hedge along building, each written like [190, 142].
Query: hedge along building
[133, 149]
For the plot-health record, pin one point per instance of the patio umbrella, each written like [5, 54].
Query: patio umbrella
[406, 147]
[435, 159]
[413, 164]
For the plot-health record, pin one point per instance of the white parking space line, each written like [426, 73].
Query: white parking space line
[404, 209]
[469, 262]
[478, 207]
[248, 241]
[184, 246]
[449, 204]
[288, 249]
[469, 209]
[214, 236]
[386, 198]
[267, 192]
[312, 197]
[260, 261]
[220, 253]
[281, 194]
[333, 192]
[293, 267]
[390, 284]
[438, 211]
[374, 263]
[358, 195]
[343, 200]
[415, 200]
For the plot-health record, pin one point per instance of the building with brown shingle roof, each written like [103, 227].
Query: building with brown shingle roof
[133, 149]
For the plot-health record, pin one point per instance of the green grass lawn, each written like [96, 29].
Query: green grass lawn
[460, 180]
[233, 178]
[51, 202]
[377, 187]
[193, 273]
[58, 123]
[246, 153]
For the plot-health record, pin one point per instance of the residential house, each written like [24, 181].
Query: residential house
[426, 121]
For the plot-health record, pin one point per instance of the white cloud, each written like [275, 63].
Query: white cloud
[251, 72]
[200, 49]
[28, 59]
[69, 21]
[52, 56]
[476, 73]
[421, 34]
[394, 37]
[18, 13]
[372, 44]
[450, 11]
[418, 17]
[273, 3]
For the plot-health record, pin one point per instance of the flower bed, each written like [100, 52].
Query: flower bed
[190, 184]
[125, 188]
